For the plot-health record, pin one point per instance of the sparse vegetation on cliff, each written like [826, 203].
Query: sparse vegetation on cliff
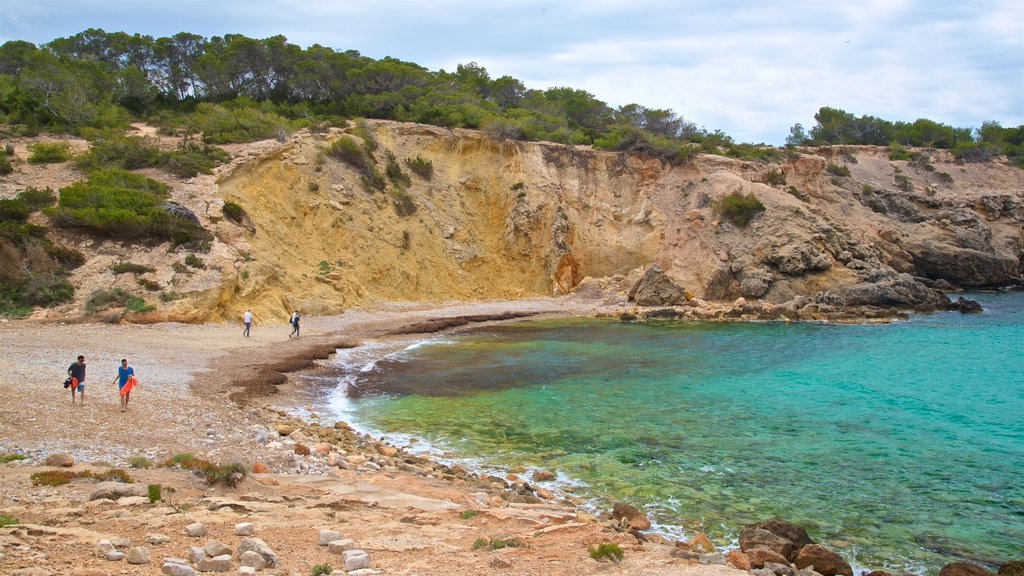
[738, 208]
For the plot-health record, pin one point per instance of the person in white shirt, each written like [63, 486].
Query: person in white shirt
[247, 320]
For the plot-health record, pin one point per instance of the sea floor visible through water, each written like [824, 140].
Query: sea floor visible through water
[900, 445]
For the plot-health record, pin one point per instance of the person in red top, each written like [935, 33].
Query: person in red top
[77, 373]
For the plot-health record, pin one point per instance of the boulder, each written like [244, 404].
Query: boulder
[104, 546]
[712, 558]
[63, 460]
[823, 560]
[700, 543]
[795, 534]
[245, 529]
[753, 287]
[120, 542]
[737, 559]
[258, 546]
[252, 560]
[218, 564]
[631, 517]
[340, 546]
[759, 555]
[967, 306]
[195, 530]
[328, 536]
[1012, 568]
[284, 429]
[216, 548]
[655, 288]
[114, 556]
[779, 569]
[157, 539]
[113, 490]
[260, 468]
[752, 537]
[195, 554]
[176, 567]
[543, 475]
[963, 569]
[355, 560]
[137, 555]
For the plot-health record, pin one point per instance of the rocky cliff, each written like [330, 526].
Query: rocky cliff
[505, 219]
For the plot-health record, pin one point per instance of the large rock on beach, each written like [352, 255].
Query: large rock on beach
[655, 288]
[752, 537]
[1012, 568]
[114, 490]
[258, 546]
[795, 534]
[963, 569]
[823, 560]
[630, 516]
[760, 555]
[738, 559]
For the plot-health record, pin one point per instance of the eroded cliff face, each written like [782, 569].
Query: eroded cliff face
[514, 219]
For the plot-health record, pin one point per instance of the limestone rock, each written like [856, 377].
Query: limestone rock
[34, 571]
[137, 555]
[63, 460]
[218, 564]
[258, 546]
[327, 536]
[759, 555]
[1012, 568]
[967, 306]
[737, 559]
[701, 544]
[284, 429]
[795, 534]
[712, 558]
[215, 548]
[655, 288]
[176, 567]
[355, 560]
[114, 556]
[195, 554]
[252, 559]
[340, 546]
[157, 539]
[779, 569]
[963, 569]
[246, 571]
[195, 530]
[543, 475]
[104, 546]
[114, 490]
[245, 529]
[752, 537]
[823, 560]
[631, 517]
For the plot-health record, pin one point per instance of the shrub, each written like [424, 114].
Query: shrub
[221, 124]
[169, 296]
[349, 151]
[60, 477]
[406, 239]
[794, 192]
[364, 132]
[49, 152]
[495, 543]
[5, 166]
[518, 186]
[8, 520]
[322, 570]
[192, 158]
[775, 178]
[313, 186]
[403, 203]
[149, 284]
[193, 261]
[737, 208]
[122, 267]
[394, 172]
[104, 299]
[180, 268]
[897, 152]
[114, 149]
[11, 457]
[421, 167]
[234, 212]
[37, 198]
[138, 462]
[13, 210]
[904, 183]
[467, 514]
[137, 305]
[838, 169]
[607, 551]
[231, 474]
[153, 492]
[975, 152]
[9, 149]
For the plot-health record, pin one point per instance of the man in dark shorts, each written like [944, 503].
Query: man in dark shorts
[77, 372]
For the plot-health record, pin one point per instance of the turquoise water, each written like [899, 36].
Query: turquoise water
[903, 444]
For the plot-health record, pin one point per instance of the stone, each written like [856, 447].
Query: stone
[355, 560]
[543, 475]
[258, 546]
[104, 546]
[327, 536]
[246, 570]
[967, 306]
[701, 544]
[759, 555]
[245, 529]
[321, 448]
[31, 572]
[962, 569]
[219, 564]
[629, 516]
[712, 558]
[795, 534]
[137, 555]
[114, 490]
[544, 493]
[251, 559]
[62, 460]
[156, 539]
[737, 559]
[655, 288]
[260, 468]
[172, 567]
[195, 530]
[195, 554]
[120, 542]
[824, 561]
[751, 537]
[1012, 568]
[284, 429]
[779, 569]
[114, 556]
[215, 548]
[340, 546]
[389, 451]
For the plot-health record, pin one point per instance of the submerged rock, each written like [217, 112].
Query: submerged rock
[823, 560]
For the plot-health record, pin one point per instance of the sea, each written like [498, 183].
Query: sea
[898, 445]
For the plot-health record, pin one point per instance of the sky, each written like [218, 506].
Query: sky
[752, 68]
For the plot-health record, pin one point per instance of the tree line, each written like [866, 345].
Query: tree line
[98, 80]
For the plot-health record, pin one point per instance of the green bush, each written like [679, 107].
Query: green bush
[394, 172]
[153, 492]
[140, 462]
[8, 149]
[421, 167]
[193, 261]
[403, 203]
[169, 296]
[49, 152]
[192, 158]
[37, 198]
[221, 124]
[607, 551]
[125, 205]
[122, 267]
[5, 166]
[838, 169]
[113, 149]
[234, 212]
[775, 178]
[322, 570]
[975, 152]
[11, 457]
[349, 151]
[495, 543]
[105, 299]
[13, 210]
[737, 208]
[8, 520]
[904, 183]
[149, 285]
[467, 514]
[137, 305]
[897, 152]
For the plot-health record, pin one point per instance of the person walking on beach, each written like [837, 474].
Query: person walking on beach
[294, 321]
[77, 373]
[125, 380]
[247, 320]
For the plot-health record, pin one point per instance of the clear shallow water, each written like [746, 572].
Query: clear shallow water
[906, 440]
